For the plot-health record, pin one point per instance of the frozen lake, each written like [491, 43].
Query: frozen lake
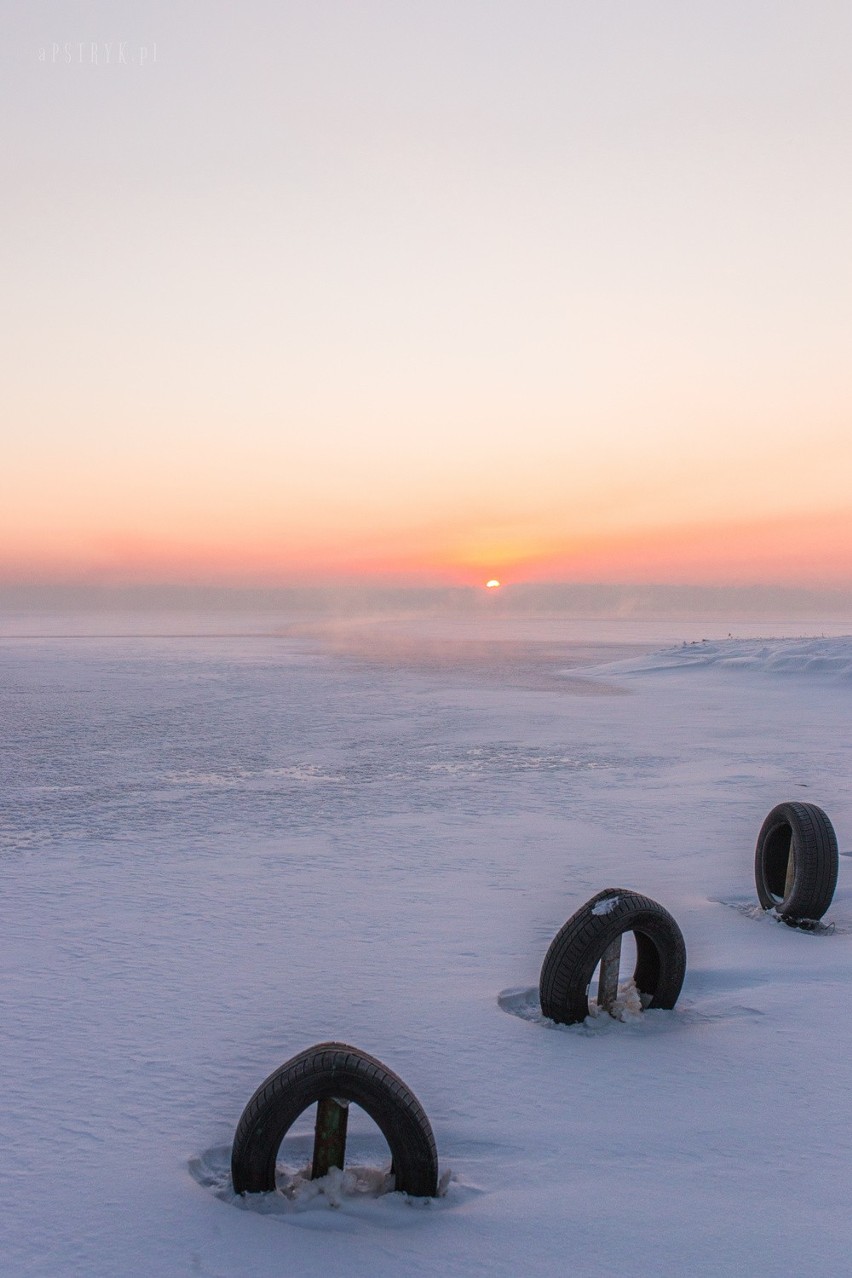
[220, 850]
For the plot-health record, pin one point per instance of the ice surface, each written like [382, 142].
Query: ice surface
[218, 852]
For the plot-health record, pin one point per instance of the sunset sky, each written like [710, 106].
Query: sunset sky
[427, 291]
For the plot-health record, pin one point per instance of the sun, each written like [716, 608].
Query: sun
[492, 584]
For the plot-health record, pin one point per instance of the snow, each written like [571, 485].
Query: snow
[823, 657]
[606, 906]
[219, 851]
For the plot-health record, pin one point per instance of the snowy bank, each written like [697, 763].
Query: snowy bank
[829, 658]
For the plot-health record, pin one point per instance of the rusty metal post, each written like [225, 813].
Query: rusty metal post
[329, 1136]
[791, 869]
[608, 979]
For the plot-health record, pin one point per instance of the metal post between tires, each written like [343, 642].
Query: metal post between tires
[608, 979]
[329, 1136]
[791, 870]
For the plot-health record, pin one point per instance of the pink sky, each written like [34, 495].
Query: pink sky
[444, 293]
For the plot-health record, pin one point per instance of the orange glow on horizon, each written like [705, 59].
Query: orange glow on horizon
[803, 550]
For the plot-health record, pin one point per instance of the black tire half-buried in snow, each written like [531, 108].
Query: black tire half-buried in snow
[795, 862]
[577, 948]
[334, 1071]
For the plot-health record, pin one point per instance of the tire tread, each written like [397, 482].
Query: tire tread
[334, 1069]
[579, 944]
[816, 861]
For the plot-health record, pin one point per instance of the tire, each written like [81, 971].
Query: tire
[804, 831]
[334, 1070]
[577, 948]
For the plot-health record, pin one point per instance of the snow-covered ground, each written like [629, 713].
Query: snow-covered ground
[219, 851]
